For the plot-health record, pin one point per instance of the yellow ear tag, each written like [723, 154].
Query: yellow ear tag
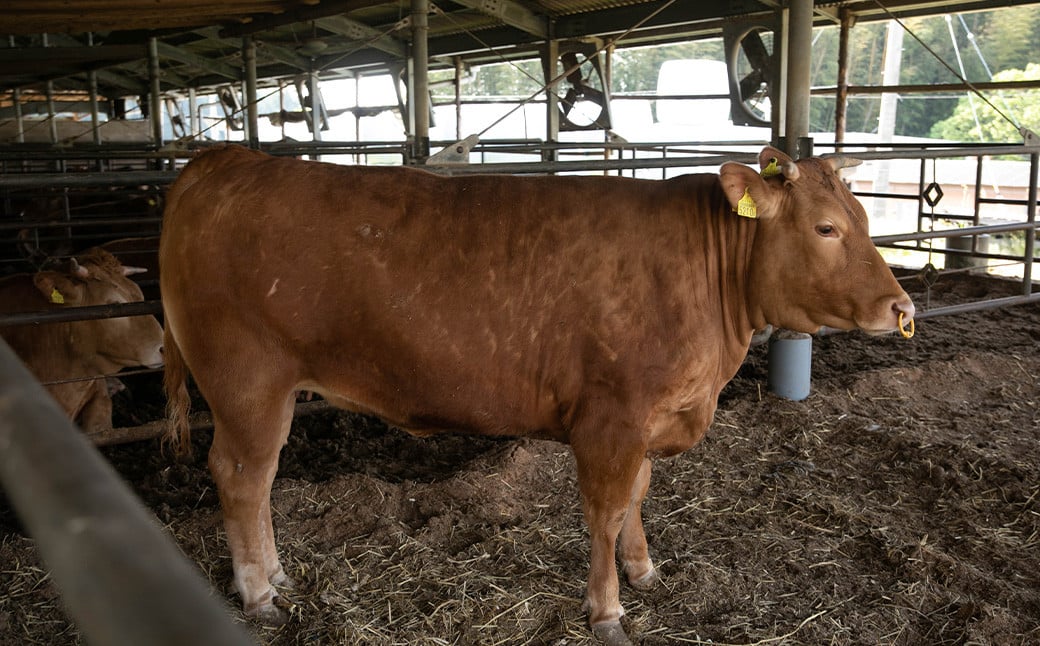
[771, 169]
[746, 206]
[56, 297]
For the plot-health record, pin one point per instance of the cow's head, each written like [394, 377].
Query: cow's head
[813, 263]
[97, 278]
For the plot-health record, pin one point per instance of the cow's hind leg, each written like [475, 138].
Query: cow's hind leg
[247, 438]
[632, 548]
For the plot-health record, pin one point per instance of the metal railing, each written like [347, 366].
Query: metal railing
[122, 579]
[1019, 216]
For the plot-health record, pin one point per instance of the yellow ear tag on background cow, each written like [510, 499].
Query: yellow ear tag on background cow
[746, 206]
[771, 169]
[56, 297]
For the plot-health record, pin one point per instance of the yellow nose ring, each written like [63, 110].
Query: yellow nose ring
[907, 332]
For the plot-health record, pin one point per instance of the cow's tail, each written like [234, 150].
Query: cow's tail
[175, 382]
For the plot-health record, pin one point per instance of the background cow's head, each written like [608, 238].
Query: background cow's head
[97, 278]
[813, 263]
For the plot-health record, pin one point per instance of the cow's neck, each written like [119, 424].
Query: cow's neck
[727, 240]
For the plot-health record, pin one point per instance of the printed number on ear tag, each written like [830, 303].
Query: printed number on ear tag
[746, 206]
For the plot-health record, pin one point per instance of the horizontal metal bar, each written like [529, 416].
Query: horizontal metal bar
[586, 165]
[963, 308]
[955, 233]
[977, 306]
[928, 88]
[110, 178]
[118, 572]
[200, 421]
[78, 222]
[90, 313]
[908, 151]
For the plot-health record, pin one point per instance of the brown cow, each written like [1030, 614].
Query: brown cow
[604, 312]
[58, 351]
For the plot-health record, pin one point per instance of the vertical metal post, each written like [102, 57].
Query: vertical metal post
[193, 118]
[16, 97]
[52, 121]
[154, 99]
[420, 85]
[551, 54]
[118, 572]
[95, 113]
[842, 98]
[252, 114]
[52, 117]
[799, 37]
[1030, 253]
[95, 125]
[20, 132]
[459, 71]
[315, 107]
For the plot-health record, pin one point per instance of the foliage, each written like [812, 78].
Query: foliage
[975, 120]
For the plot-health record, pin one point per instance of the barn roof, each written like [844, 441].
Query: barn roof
[200, 41]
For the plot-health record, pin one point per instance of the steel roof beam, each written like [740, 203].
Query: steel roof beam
[363, 34]
[188, 58]
[512, 14]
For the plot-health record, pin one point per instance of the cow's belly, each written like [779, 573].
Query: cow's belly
[436, 394]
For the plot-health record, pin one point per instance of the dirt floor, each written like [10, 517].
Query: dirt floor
[898, 504]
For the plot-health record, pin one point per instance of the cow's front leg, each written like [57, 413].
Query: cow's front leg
[96, 414]
[608, 468]
[635, 557]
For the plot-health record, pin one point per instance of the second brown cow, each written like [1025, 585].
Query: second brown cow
[603, 312]
[73, 357]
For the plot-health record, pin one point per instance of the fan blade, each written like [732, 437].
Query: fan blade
[755, 50]
[752, 83]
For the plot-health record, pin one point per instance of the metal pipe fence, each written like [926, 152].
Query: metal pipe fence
[122, 579]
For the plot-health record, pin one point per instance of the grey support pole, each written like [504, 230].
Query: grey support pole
[552, 103]
[790, 353]
[154, 101]
[420, 85]
[20, 132]
[315, 107]
[842, 98]
[799, 58]
[252, 114]
[95, 119]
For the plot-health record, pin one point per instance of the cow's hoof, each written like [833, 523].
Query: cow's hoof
[646, 581]
[282, 581]
[610, 633]
[270, 615]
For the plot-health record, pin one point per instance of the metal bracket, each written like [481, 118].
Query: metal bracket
[454, 155]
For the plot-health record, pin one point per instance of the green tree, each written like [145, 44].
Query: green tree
[1011, 37]
[1023, 106]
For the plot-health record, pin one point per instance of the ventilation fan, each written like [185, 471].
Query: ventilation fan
[231, 105]
[585, 104]
[751, 62]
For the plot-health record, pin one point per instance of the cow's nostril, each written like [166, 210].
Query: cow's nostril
[904, 307]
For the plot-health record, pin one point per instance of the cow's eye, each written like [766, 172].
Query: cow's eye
[827, 230]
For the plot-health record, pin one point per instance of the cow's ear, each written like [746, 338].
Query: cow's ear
[772, 155]
[748, 194]
[57, 288]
